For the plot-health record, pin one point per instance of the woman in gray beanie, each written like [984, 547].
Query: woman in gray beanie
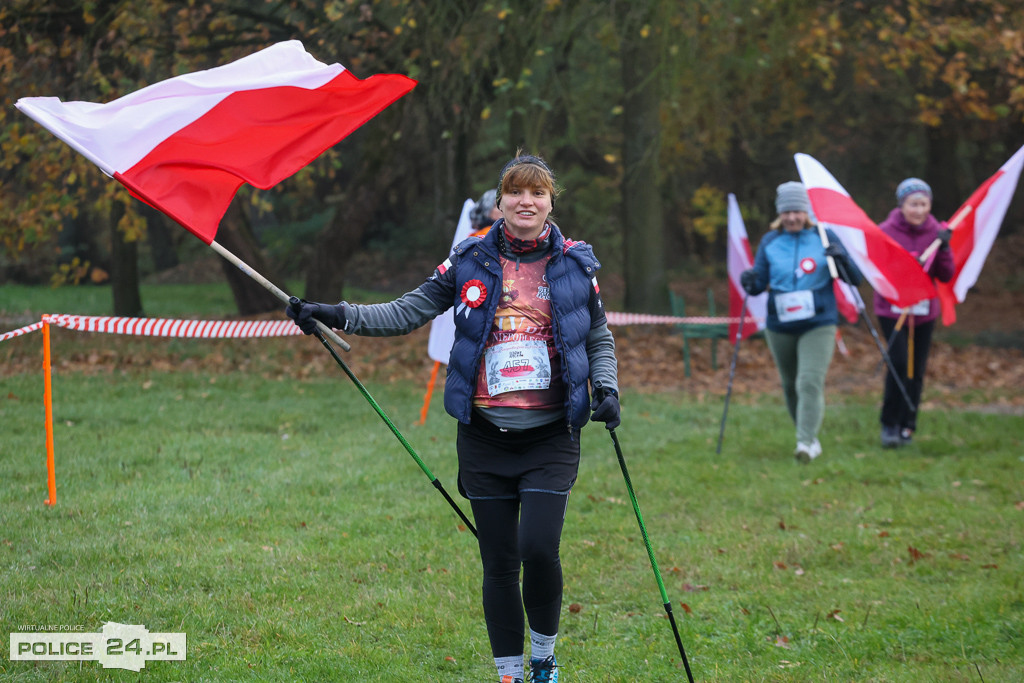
[791, 261]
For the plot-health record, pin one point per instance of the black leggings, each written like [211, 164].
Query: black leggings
[895, 411]
[526, 533]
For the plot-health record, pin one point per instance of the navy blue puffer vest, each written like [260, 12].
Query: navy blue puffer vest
[569, 274]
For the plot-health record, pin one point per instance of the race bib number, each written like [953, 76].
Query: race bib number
[517, 366]
[922, 307]
[793, 306]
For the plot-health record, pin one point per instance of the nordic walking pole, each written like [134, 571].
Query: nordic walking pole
[295, 302]
[732, 371]
[650, 554]
[270, 287]
[832, 268]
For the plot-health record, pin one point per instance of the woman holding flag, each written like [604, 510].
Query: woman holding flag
[909, 330]
[792, 262]
[531, 341]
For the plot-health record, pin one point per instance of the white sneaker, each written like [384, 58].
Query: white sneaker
[806, 452]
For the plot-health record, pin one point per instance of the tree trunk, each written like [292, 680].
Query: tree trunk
[945, 170]
[642, 220]
[236, 236]
[325, 279]
[124, 269]
[158, 234]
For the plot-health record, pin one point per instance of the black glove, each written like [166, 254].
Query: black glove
[943, 236]
[606, 407]
[748, 280]
[838, 255]
[307, 313]
[835, 251]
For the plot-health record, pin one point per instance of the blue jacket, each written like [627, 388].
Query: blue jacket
[793, 261]
[569, 272]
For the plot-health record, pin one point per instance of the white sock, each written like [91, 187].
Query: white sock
[541, 646]
[509, 666]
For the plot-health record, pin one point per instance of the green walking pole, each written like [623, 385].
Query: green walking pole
[295, 302]
[650, 554]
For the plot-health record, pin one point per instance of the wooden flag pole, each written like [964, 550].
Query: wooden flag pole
[285, 299]
[934, 246]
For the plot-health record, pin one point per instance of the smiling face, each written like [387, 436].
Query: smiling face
[527, 196]
[525, 211]
[915, 208]
[793, 221]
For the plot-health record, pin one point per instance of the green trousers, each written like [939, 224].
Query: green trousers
[802, 361]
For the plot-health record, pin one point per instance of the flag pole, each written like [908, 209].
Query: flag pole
[285, 298]
[936, 243]
[832, 268]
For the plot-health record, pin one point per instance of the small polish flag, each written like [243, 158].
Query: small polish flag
[740, 258]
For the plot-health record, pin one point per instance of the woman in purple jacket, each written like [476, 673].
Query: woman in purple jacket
[913, 226]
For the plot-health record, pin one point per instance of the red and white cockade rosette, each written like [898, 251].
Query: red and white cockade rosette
[473, 294]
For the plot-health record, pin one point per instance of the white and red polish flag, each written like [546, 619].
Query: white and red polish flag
[740, 258]
[890, 268]
[185, 145]
[979, 221]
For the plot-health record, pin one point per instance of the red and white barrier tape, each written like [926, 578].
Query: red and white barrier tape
[645, 319]
[20, 331]
[238, 329]
[167, 327]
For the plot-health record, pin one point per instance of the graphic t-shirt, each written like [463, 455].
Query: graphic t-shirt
[520, 367]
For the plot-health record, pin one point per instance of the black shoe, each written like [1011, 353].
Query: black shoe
[906, 436]
[891, 437]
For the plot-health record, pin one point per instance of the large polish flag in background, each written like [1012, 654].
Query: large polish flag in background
[185, 145]
[890, 268]
[740, 258]
[975, 226]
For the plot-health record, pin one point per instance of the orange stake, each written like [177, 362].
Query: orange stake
[430, 393]
[48, 403]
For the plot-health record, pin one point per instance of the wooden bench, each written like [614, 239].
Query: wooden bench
[712, 331]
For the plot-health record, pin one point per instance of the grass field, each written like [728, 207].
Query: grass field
[285, 530]
[203, 489]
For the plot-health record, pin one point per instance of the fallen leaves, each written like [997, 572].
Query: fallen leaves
[916, 555]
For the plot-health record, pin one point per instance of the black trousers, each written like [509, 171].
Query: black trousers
[518, 485]
[895, 411]
[520, 533]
